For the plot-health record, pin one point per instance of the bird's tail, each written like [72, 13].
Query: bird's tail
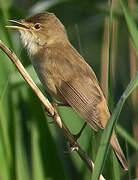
[118, 151]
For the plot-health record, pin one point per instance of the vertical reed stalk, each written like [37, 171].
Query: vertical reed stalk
[134, 95]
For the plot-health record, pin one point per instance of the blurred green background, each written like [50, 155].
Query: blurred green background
[30, 146]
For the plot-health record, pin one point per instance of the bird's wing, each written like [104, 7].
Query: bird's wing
[79, 87]
[84, 98]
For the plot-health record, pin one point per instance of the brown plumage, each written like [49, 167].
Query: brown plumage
[64, 73]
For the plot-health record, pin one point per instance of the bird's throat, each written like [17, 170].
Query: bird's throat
[30, 42]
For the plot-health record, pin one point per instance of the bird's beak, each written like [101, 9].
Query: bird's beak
[21, 25]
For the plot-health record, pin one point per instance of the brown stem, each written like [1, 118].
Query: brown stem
[134, 95]
[104, 59]
[51, 110]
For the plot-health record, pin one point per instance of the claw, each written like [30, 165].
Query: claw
[71, 149]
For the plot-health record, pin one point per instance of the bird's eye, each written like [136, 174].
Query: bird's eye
[37, 26]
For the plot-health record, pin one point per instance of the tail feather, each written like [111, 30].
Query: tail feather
[118, 151]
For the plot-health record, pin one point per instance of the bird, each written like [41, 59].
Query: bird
[64, 73]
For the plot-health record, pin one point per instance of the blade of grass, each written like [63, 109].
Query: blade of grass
[101, 155]
[127, 136]
[44, 155]
[130, 23]
[113, 34]
[107, 65]
[37, 166]
[116, 169]
[5, 17]
[4, 167]
[21, 158]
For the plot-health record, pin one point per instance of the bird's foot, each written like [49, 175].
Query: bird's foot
[71, 149]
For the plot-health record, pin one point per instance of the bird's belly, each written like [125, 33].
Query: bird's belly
[50, 86]
[52, 89]
[49, 82]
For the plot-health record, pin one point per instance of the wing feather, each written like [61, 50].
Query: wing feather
[85, 103]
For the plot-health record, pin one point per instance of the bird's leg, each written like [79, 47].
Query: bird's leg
[74, 147]
[76, 136]
[71, 149]
[54, 106]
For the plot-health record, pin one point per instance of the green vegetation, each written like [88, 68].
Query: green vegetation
[33, 148]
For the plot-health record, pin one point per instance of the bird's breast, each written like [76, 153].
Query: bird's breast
[48, 77]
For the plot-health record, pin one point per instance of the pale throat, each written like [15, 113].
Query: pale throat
[30, 42]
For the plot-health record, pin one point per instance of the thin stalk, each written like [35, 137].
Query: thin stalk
[134, 96]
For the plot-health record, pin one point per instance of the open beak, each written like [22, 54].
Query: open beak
[21, 26]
